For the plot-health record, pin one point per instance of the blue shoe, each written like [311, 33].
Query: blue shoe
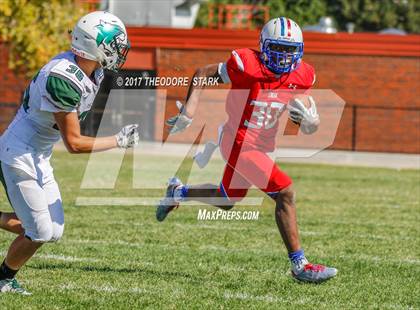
[168, 203]
[313, 273]
[12, 286]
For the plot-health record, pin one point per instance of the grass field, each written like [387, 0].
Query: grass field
[363, 221]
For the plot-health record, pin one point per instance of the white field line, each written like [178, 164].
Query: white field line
[365, 223]
[229, 295]
[61, 257]
[103, 289]
[149, 201]
[345, 257]
[66, 258]
[303, 232]
[109, 289]
[142, 245]
[184, 226]
[300, 301]
[217, 248]
[226, 226]
[265, 298]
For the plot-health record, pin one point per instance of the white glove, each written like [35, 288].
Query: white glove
[298, 113]
[179, 122]
[128, 136]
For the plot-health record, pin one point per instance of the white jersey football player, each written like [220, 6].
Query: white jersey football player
[60, 94]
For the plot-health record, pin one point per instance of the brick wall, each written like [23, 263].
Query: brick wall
[11, 88]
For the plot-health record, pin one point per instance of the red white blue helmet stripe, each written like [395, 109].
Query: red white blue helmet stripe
[285, 27]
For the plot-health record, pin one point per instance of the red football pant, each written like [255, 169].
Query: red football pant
[247, 166]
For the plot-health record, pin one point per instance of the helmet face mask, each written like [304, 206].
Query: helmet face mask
[121, 51]
[281, 45]
[282, 56]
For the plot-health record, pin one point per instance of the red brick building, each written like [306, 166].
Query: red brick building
[377, 75]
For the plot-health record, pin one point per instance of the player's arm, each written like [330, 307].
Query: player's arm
[62, 98]
[194, 91]
[232, 71]
[75, 142]
[181, 121]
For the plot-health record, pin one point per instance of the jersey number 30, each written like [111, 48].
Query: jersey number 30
[265, 115]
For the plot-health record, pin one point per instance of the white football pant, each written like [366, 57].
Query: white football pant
[37, 204]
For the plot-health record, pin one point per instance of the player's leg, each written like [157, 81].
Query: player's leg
[261, 170]
[10, 222]
[286, 219]
[55, 208]
[233, 188]
[177, 192]
[219, 196]
[206, 193]
[29, 201]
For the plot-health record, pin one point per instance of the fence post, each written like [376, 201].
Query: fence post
[353, 128]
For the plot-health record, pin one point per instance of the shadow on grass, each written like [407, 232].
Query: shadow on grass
[107, 269]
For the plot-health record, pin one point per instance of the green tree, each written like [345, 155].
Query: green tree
[203, 14]
[302, 11]
[367, 15]
[373, 15]
[36, 30]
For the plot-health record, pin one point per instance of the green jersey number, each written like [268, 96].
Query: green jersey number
[76, 71]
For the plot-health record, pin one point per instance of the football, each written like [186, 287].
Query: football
[304, 104]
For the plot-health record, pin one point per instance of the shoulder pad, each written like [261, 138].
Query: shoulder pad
[69, 72]
[244, 59]
[242, 66]
[238, 61]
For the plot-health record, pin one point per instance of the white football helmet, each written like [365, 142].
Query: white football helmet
[281, 45]
[101, 36]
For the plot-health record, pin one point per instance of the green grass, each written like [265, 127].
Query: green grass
[363, 221]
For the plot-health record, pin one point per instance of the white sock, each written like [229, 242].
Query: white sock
[178, 193]
[298, 265]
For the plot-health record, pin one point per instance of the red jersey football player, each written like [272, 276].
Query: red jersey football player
[250, 133]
